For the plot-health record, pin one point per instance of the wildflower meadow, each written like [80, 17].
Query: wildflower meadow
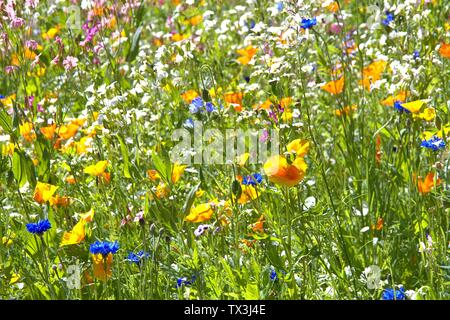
[224, 150]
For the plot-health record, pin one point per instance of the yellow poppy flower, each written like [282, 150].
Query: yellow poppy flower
[67, 131]
[88, 216]
[75, 236]
[195, 20]
[44, 192]
[8, 149]
[50, 34]
[300, 147]
[177, 171]
[102, 266]
[96, 169]
[428, 114]
[14, 278]
[242, 159]
[413, 106]
[26, 131]
[200, 213]
[8, 101]
[248, 194]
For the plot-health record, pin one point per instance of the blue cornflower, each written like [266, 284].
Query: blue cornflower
[400, 108]
[308, 23]
[389, 18]
[258, 177]
[388, 294]
[2, 96]
[253, 180]
[273, 275]
[104, 247]
[39, 227]
[416, 54]
[435, 143]
[185, 281]
[137, 257]
[189, 123]
[280, 6]
[196, 105]
[210, 107]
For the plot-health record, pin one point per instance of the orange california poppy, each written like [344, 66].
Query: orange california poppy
[400, 97]
[48, 132]
[258, 226]
[378, 152]
[379, 225]
[372, 73]
[281, 172]
[426, 185]
[334, 87]
[189, 95]
[345, 111]
[444, 50]
[234, 99]
[246, 54]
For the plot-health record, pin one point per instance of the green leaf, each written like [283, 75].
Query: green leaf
[162, 165]
[190, 200]
[23, 169]
[251, 292]
[43, 154]
[5, 121]
[236, 189]
[134, 49]
[126, 161]
[19, 169]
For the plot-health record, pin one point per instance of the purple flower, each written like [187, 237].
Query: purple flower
[70, 63]
[264, 136]
[29, 101]
[17, 22]
[31, 44]
[201, 229]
